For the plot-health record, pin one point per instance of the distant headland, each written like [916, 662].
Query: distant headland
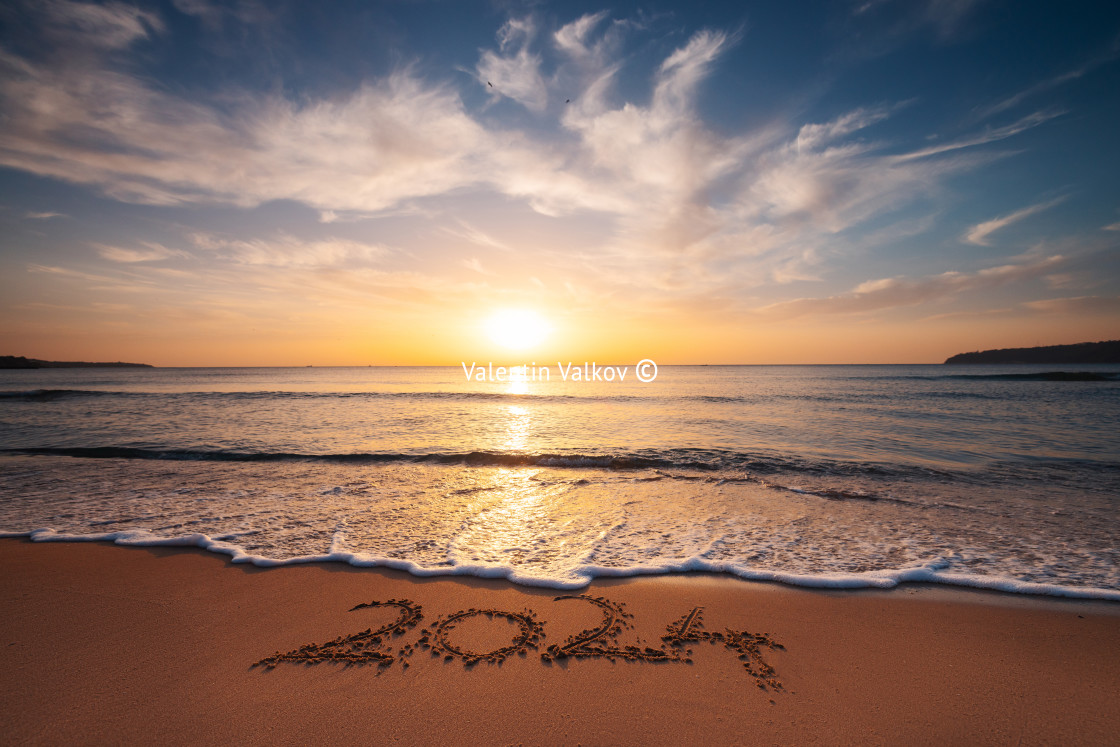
[18, 361]
[1082, 352]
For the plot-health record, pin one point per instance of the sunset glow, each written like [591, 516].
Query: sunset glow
[863, 182]
[517, 329]
[445, 372]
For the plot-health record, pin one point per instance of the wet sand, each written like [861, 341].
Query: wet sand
[102, 643]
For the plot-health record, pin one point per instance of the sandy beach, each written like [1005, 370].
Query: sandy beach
[159, 645]
[538, 373]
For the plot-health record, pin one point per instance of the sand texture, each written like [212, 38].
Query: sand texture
[109, 644]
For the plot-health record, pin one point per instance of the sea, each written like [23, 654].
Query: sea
[996, 477]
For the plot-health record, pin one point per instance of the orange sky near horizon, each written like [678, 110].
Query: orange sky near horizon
[329, 341]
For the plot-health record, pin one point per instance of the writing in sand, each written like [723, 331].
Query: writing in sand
[371, 646]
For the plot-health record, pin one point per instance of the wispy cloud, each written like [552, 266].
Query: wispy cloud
[1078, 305]
[1051, 82]
[948, 17]
[887, 293]
[513, 71]
[814, 135]
[288, 251]
[151, 252]
[113, 25]
[573, 37]
[43, 216]
[465, 230]
[979, 233]
[474, 265]
[1040, 87]
[686, 67]
[990, 135]
[819, 184]
[215, 14]
[877, 27]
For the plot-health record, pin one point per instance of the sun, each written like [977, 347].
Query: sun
[517, 329]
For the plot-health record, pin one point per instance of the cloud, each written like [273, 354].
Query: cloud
[474, 265]
[1016, 99]
[682, 209]
[476, 236]
[653, 164]
[819, 185]
[1079, 305]
[43, 216]
[814, 135]
[1051, 82]
[947, 17]
[111, 25]
[352, 216]
[215, 14]
[200, 8]
[573, 37]
[979, 233]
[151, 252]
[284, 278]
[514, 74]
[988, 136]
[81, 118]
[66, 271]
[685, 68]
[392, 140]
[1111, 227]
[878, 27]
[876, 295]
[399, 138]
[288, 251]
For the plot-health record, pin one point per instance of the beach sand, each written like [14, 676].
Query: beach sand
[110, 644]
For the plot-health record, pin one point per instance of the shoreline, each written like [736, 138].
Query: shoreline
[911, 578]
[146, 643]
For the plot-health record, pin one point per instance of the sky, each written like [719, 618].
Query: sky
[879, 181]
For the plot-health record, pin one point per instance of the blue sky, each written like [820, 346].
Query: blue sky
[245, 183]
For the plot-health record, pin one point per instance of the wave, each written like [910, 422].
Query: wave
[1037, 376]
[702, 461]
[705, 460]
[933, 571]
[722, 464]
[50, 395]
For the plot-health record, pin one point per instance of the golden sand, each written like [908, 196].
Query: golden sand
[102, 643]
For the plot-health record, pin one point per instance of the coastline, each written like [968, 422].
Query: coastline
[159, 644]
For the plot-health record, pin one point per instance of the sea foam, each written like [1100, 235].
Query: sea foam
[561, 527]
[584, 575]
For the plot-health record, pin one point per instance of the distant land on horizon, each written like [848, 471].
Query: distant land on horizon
[14, 361]
[1082, 352]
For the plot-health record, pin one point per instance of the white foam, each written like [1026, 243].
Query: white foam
[563, 528]
[581, 576]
